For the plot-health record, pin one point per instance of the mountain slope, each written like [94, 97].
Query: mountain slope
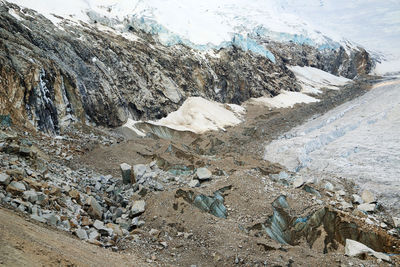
[104, 71]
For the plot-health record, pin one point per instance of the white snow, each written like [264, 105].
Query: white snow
[14, 14]
[285, 99]
[200, 115]
[358, 140]
[130, 124]
[312, 80]
[197, 115]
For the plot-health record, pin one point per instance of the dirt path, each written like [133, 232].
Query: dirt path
[23, 243]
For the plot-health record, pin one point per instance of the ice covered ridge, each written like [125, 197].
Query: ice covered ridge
[199, 24]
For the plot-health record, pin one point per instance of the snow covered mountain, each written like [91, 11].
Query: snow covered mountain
[105, 62]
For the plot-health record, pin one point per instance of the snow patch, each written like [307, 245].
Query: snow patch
[197, 115]
[312, 80]
[285, 99]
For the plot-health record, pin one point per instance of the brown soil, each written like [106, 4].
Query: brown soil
[24, 243]
[188, 236]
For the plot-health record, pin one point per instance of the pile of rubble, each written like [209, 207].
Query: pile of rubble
[99, 209]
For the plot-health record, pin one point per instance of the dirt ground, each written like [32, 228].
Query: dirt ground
[175, 232]
[25, 243]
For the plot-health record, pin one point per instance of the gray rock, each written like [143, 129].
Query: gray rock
[126, 171]
[66, 225]
[298, 181]
[51, 218]
[98, 224]
[95, 210]
[138, 171]
[355, 249]
[16, 188]
[30, 196]
[81, 233]
[367, 196]
[194, 183]
[396, 221]
[5, 179]
[94, 235]
[38, 218]
[106, 231]
[329, 186]
[203, 174]
[138, 207]
[357, 199]
[366, 207]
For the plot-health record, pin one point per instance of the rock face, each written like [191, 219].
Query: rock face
[53, 75]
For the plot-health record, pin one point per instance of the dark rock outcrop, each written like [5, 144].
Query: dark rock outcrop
[51, 75]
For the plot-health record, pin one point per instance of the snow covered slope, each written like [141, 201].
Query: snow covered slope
[200, 24]
[207, 24]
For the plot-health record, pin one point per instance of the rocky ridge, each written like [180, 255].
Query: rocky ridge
[91, 73]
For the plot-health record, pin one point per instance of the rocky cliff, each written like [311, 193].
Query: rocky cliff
[52, 75]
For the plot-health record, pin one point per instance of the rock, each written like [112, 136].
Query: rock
[30, 196]
[367, 196]
[357, 199]
[106, 231]
[366, 207]
[194, 183]
[299, 181]
[16, 188]
[86, 221]
[116, 229]
[94, 235]
[341, 193]
[74, 194]
[203, 174]
[126, 172]
[51, 218]
[81, 233]
[154, 232]
[38, 218]
[42, 199]
[98, 224]
[396, 221]
[344, 205]
[355, 249]
[138, 171]
[5, 179]
[138, 207]
[95, 210]
[329, 186]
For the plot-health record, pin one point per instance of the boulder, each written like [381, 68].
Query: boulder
[355, 249]
[194, 183]
[126, 172]
[357, 199]
[98, 224]
[81, 233]
[299, 181]
[203, 174]
[138, 207]
[38, 218]
[16, 188]
[366, 207]
[95, 210]
[30, 196]
[367, 196]
[396, 221]
[5, 179]
[138, 171]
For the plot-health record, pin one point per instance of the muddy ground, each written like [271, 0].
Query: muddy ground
[176, 233]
